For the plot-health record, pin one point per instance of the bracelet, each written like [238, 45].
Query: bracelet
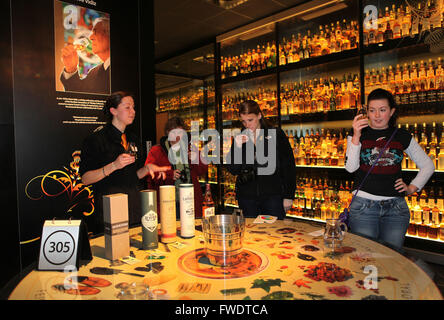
[103, 170]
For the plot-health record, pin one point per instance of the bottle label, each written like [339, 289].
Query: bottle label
[208, 212]
[149, 221]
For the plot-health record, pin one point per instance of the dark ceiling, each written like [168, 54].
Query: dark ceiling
[184, 30]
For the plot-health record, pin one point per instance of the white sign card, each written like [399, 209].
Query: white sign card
[61, 244]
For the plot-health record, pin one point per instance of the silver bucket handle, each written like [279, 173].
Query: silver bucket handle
[236, 211]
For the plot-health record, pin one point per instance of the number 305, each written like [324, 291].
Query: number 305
[59, 247]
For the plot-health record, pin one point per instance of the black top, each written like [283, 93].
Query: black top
[280, 182]
[381, 181]
[96, 81]
[99, 149]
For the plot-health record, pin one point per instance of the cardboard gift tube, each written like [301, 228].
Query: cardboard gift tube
[115, 216]
[186, 194]
[150, 236]
[167, 198]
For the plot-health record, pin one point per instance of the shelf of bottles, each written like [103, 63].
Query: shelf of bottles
[318, 197]
[431, 138]
[320, 148]
[187, 103]
[386, 21]
[248, 53]
[325, 148]
[262, 90]
[414, 76]
[426, 213]
[309, 37]
[323, 68]
[323, 92]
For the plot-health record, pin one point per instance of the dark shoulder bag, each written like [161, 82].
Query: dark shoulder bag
[345, 215]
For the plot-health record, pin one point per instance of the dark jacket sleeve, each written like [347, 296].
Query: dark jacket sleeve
[287, 167]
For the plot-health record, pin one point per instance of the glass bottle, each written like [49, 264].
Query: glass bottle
[433, 230]
[208, 208]
[440, 162]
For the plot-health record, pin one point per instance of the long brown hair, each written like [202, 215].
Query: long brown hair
[251, 106]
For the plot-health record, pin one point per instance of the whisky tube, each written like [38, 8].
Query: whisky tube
[167, 198]
[149, 219]
[186, 194]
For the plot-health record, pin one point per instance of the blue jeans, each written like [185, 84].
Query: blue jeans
[385, 221]
[267, 205]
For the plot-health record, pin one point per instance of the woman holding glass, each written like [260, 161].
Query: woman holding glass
[109, 159]
[268, 194]
[380, 211]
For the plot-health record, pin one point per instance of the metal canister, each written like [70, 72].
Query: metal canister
[150, 236]
[167, 198]
[186, 201]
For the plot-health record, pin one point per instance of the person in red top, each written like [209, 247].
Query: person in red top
[180, 173]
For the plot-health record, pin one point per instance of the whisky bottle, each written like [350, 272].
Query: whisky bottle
[431, 95]
[397, 25]
[433, 144]
[440, 162]
[423, 199]
[406, 22]
[439, 75]
[388, 33]
[433, 230]
[208, 208]
[423, 228]
[440, 200]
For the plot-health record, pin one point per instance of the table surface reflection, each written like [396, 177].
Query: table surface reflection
[280, 261]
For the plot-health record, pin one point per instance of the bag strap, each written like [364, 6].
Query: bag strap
[373, 165]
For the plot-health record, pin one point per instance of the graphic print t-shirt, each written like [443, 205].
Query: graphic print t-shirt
[381, 180]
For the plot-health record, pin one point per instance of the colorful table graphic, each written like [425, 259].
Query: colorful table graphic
[284, 260]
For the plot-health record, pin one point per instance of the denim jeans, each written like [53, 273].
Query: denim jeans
[385, 221]
[270, 205]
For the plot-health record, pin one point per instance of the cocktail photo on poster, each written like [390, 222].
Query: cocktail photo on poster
[82, 49]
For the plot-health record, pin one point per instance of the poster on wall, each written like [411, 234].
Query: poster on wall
[82, 49]
[81, 81]
[53, 116]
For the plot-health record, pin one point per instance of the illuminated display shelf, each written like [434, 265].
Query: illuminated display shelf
[338, 167]
[374, 56]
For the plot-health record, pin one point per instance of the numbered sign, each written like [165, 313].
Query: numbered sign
[61, 244]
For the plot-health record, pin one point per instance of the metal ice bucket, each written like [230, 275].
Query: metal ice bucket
[223, 235]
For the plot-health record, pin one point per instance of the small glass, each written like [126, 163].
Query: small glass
[363, 112]
[333, 233]
[132, 149]
[135, 291]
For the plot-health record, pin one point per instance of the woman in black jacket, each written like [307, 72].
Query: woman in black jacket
[262, 159]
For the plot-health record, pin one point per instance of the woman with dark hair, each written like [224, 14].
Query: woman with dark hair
[106, 161]
[380, 211]
[270, 193]
[184, 169]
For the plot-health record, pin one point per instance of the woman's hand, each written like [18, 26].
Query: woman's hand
[401, 186]
[152, 169]
[123, 160]
[287, 204]
[358, 124]
[240, 139]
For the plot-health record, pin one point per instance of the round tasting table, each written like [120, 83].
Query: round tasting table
[283, 260]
